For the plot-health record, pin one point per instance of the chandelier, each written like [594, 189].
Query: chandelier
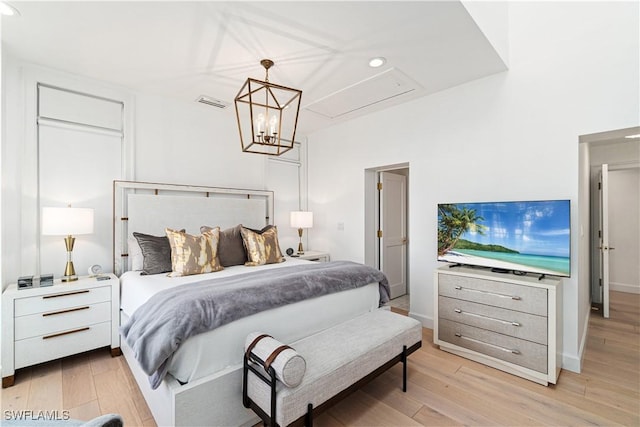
[267, 115]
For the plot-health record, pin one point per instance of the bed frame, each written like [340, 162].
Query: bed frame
[149, 208]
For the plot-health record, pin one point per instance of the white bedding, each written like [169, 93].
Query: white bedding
[215, 350]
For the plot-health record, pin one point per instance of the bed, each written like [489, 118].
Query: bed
[202, 385]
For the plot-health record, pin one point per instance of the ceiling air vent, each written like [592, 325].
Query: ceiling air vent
[203, 99]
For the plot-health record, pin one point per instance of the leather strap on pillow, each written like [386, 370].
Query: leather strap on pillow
[272, 356]
[254, 342]
[288, 365]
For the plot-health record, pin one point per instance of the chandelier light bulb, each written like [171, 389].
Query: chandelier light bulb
[273, 125]
[260, 122]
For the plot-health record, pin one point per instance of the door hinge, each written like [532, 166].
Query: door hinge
[599, 186]
[599, 233]
[379, 234]
[600, 280]
[379, 186]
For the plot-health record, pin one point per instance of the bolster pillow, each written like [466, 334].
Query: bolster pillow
[289, 366]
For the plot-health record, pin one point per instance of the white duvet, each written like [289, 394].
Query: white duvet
[208, 353]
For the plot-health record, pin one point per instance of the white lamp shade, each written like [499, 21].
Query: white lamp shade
[67, 221]
[301, 219]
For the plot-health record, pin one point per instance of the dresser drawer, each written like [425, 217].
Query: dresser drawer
[61, 300]
[54, 321]
[507, 322]
[65, 343]
[526, 299]
[520, 352]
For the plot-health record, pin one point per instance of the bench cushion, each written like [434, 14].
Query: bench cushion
[337, 358]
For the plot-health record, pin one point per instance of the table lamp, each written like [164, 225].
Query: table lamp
[301, 220]
[67, 222]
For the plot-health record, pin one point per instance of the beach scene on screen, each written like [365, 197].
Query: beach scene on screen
[528, 236]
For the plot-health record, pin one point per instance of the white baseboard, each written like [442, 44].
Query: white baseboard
[571, 363]
[574, 363]
[427, 322]
[624, 287]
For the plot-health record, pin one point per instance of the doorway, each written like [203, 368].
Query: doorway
[387, 227]
[614, 193]
[616, 231]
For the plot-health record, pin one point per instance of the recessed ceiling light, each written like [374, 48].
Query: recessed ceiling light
[633, 136]
[7, 10]
[377, 62]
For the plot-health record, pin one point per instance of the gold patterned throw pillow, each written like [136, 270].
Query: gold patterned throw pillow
[262, 246]
[194, 254]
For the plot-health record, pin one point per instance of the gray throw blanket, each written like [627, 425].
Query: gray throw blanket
[156, 329]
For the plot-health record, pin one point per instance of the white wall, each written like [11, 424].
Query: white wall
[167, 141]
[493, 19]
[189, 143]
[512, 136]
[20, 205]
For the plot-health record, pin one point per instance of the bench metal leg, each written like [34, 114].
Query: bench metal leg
[308, 419]
[404, 368]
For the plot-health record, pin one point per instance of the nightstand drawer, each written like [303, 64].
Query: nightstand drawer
[65, 343]
[61, 300]
[65, 319]
[496, 293]
[520, 352]
[507, 322]
[316, 256]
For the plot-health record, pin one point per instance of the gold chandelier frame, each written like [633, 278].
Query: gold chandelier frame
[270, 105]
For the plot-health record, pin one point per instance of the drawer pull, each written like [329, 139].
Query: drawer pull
[495, 294]
[66, 294]
[507, 350]
[65, 311]
[46, 337]
[482, 316]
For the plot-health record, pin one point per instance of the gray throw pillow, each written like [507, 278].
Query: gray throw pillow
[156, 253]
[230, 247]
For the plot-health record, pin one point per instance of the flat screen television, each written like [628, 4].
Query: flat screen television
[520, 237]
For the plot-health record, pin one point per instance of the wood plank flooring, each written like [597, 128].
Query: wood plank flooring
[443, 389]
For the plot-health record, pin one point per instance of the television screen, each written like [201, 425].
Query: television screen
[528, 236]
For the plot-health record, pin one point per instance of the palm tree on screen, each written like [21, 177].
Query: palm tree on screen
[453, 222]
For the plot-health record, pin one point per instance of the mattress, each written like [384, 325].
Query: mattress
[221, 348]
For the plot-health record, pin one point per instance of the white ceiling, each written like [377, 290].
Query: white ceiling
[187, 49]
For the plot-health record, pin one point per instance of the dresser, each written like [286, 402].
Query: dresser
[509, 322]
[47, 323]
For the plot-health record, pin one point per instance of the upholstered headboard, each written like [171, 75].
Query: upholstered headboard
[151, 207]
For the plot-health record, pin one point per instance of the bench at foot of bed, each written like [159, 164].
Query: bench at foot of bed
[339, 360]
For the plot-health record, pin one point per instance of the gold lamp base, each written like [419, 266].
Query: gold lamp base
[69, 270]
[300, 248]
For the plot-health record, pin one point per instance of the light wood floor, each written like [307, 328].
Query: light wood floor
[443, 389]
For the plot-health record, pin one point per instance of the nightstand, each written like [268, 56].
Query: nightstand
[315, 256]
[47, 323]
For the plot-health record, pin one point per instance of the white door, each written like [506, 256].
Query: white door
[604, 238]
[393, 231]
